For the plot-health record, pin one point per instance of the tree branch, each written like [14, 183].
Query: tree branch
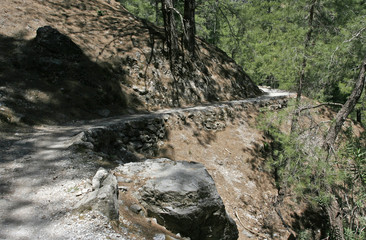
[181, 21]
[356, 35]
[319, 105]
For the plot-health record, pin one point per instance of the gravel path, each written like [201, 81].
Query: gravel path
[40, 182]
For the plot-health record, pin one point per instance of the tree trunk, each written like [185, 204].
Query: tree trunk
[333, 210]
[346, 109]
[300, 82]
[170, 29]
[359, 115]
[190, 26]
[335, 219]
[306, 46]
[157, 12]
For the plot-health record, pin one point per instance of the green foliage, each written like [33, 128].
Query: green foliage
[144, 9]
[297, 163]
[305, 235]
[351, 235]
[267, 39]
[353, 157]
[304, 170]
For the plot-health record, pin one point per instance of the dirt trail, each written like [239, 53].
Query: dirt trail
[41, 180]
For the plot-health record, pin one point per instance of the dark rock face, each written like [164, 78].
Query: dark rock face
[182, 196]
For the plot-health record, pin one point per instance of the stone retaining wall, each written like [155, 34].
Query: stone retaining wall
[145, 134]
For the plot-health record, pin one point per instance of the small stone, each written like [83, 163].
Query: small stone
[159, 236]
[152, 128]
[247, 234]
[136, 208]
[98, 178]
[124, 180]
[102, 196]
[123, 188]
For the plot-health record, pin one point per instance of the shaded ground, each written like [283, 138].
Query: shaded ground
[47, 84]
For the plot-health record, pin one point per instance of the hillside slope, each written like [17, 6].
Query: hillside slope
[122, 65]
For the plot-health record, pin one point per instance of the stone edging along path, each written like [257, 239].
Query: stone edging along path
[145, 133]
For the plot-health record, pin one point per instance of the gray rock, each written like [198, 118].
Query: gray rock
[182, 196]
[124, 180]
[104, 196]
[136, 208]
[98, 178]
[140, 90]
[247, 234]
[79, 141]
[159, 236]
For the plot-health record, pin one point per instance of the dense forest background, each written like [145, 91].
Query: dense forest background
[277, 42]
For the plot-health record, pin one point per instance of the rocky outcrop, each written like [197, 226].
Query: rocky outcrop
[103, 197]
[182, 196]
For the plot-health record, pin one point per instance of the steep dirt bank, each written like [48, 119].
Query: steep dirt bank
[121, 65]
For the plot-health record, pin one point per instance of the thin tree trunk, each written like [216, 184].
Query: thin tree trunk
[346, 109]
[335, 220]
[170, 29]
[359, 115]
[306, 46]
[333, 209]
[171, 35]
[157, 12]
[304, 64]
[216, 25]
[190, 25]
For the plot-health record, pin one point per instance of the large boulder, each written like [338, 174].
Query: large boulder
[182, 196]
